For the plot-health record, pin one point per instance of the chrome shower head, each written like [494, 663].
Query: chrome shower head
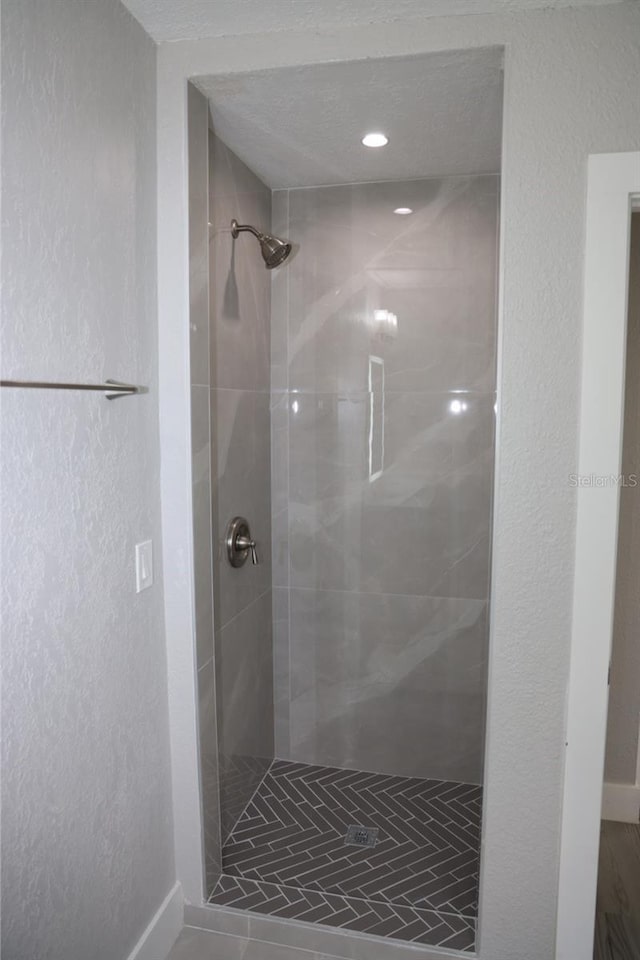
[274, 250]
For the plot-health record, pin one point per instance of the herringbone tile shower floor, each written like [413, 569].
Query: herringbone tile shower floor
[287, 856]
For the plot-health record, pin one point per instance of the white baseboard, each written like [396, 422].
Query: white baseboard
[161, 934]
[621, 801]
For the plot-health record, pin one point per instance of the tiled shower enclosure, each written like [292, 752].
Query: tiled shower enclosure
[345, 405]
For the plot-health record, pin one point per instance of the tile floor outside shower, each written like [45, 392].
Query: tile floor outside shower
[287, 855]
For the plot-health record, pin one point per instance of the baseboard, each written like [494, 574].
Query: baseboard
[621, 801]
[161, 934]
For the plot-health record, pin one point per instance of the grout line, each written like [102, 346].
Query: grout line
[206, 664]
[240, 816]
[288, 500]
[363, 392]
[382, 593]
[377, 773]
[489, 175]
[244, 610]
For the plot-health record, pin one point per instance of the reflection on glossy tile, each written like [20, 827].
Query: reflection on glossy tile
[280, 297]
[281, 671]
[244, 678]
[429, 506]
[201, 488]
[322, 942]
[259, 950]
[209, 771]
[240, 293]
[241, 476]
[435, 270]
[241, 470]
[198, 237]
[194, 944]
[280, 403]
[393, 684]
[382, 480]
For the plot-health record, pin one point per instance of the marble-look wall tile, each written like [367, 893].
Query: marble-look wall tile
[201, 498]
[391, 684]
[280, 295]
[280, 488]
[435, 269]
[209, 772]
[241, 460]
[241, 477]
[198, 132]
[240, 292]
[414, 521]
[244, 679]
[281, 671]
[387, 436]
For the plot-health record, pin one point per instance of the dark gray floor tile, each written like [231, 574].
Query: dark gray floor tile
[286, 855]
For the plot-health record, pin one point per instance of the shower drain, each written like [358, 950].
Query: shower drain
[361, 836]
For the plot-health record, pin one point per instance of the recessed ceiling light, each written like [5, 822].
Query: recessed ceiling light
[375, 140]
[403, 211]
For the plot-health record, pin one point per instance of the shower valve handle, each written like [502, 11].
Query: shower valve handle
[245, 543]
[240, 543]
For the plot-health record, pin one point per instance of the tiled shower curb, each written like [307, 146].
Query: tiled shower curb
[334, 942]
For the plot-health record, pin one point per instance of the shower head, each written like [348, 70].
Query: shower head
[274, 250]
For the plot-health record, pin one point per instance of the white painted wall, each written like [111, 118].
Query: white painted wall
[571, 90]
[191, 19]
[613, 180]
[87, 852]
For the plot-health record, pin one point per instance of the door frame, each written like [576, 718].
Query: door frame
[613, 191]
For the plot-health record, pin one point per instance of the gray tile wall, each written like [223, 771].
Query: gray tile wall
[382, 472]
[239, 358]
[201, 474]
[624, 692]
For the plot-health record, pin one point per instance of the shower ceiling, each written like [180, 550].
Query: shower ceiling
[303, 126]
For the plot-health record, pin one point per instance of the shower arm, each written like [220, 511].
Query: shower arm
[237, 228]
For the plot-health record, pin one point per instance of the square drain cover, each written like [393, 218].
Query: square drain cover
[362, 836]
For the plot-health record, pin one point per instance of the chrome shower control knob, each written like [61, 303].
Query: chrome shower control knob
[240, 543]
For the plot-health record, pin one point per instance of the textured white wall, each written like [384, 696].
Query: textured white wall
[86, 833]
[189, 19]
[571, 90]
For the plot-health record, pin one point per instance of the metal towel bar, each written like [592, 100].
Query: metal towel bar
[112, 388]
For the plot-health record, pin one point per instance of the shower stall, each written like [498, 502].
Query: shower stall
[343, 442]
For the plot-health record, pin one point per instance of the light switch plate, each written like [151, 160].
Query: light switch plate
[144, 565]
